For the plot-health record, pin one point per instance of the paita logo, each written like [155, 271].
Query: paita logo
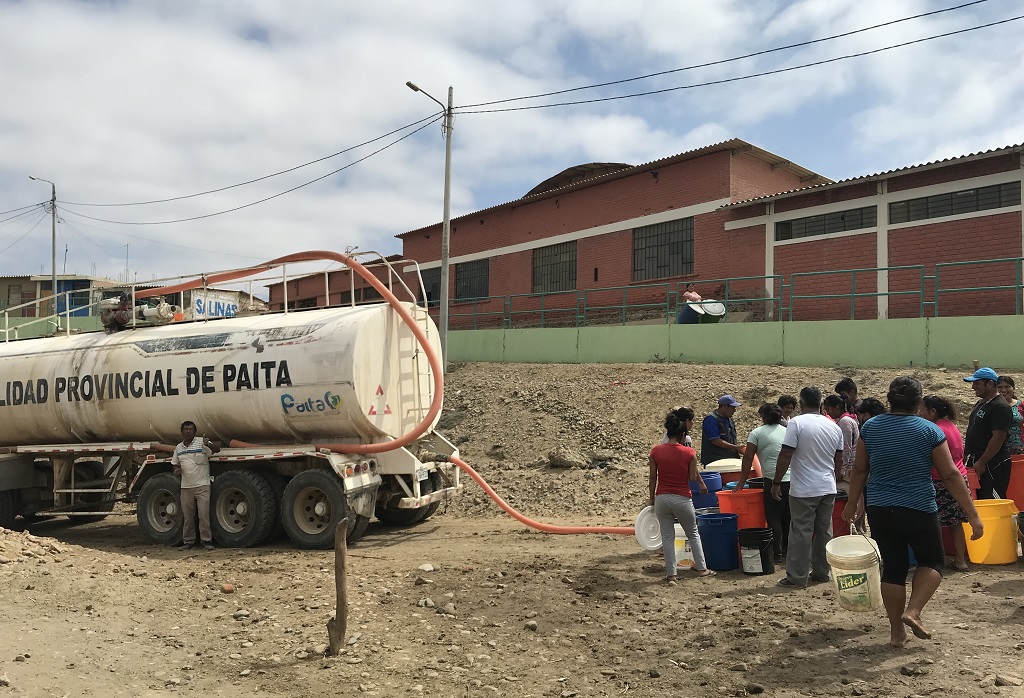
[329, 403]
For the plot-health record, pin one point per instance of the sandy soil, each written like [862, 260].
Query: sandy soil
[502, 610]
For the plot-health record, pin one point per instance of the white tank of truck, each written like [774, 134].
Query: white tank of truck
[317, 376]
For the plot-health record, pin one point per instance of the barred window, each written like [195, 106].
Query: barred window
[305, 303]
[472, 280]
[431, 291]
[664, 249]
[955, 203]
[827, 223]
[554, 268]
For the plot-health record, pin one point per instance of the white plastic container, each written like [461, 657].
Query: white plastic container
[855, 572]
[684, 555]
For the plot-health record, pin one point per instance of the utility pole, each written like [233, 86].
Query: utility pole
[53, 243]
[446, 227]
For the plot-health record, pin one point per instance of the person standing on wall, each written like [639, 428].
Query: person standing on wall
[191, 462]
[896, 457]
[718, 433]
[985, 445]
[813, 448]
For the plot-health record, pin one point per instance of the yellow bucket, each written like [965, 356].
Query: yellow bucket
[999, 544]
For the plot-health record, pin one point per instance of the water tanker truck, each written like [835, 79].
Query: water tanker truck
[296, 395]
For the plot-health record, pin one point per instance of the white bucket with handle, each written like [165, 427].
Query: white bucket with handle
[856, 571]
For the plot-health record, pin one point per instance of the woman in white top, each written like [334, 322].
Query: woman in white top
[765, 442]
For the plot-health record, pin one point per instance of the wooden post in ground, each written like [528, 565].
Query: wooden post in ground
[336, 626]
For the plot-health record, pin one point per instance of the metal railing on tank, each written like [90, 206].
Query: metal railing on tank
[853, 294]
[1017, 286]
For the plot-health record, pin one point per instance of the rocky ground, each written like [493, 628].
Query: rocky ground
[471, 603]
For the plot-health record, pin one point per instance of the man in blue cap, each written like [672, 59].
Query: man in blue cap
[718, 433]
[985, 446]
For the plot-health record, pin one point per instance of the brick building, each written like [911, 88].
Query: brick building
[606, 235]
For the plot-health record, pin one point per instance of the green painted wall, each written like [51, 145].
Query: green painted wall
[996, 341]
[40, 329]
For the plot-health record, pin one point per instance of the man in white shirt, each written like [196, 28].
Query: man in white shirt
[191, 461]
[813, 448]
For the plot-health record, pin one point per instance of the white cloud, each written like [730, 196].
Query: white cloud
[124, 102]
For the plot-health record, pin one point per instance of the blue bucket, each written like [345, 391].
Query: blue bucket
[713, 481]
[719, 538]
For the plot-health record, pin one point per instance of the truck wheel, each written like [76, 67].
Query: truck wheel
[91, 470]
[243, 510]
[313, 504]
[7, 509]
[391, 515]
[159, 509]
[277, 484]
[436, 483]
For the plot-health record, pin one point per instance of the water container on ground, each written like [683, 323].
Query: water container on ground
[718, 537]
[684, 554]
[998, 546]
[756, 551]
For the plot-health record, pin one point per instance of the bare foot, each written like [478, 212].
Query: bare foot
[898, 638]
[915, 627]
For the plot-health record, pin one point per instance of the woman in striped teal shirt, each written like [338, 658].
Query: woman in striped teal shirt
[895, 457]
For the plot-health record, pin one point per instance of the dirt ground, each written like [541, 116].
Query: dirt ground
[502, 610]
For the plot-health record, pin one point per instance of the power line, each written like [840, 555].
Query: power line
[268, 198]
[4, 213]
[260, 179]
[19, 215]
[155, 241]
[28, 230]
[724, 60]
[746, 77]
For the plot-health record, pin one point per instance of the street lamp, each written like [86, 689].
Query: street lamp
[53, 243]
[446, 220]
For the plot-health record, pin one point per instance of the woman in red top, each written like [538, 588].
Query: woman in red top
[672, 467]
[940, 411]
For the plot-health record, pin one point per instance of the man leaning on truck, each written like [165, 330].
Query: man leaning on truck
[191, 461]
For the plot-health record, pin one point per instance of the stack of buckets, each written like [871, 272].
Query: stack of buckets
[738, 535]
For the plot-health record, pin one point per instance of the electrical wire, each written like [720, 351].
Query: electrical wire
[263, 200]
[154, 241]
[743, 77]
[725, 60]
[18, 215]
[260, 179]
[28, 230]
[4, 213]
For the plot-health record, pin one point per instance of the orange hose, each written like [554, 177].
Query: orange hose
[547, 528]
[436, 371]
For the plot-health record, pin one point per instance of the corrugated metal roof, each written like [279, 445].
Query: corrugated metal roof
[880, 175]
[731, 144]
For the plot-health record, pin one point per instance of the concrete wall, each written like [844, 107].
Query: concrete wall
[42, 328]
[945, 341]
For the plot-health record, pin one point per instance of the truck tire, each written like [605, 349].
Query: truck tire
[277, 485]
[159, 509]
[313, 504]
[436, 483]
[242, 509]
[91, 470]
[7, 509]
[358, 527]
[391, 515]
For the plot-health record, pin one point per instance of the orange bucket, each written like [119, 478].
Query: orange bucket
[1015, 491]
[748, 505]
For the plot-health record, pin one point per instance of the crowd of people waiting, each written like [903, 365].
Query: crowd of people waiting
[903, 469]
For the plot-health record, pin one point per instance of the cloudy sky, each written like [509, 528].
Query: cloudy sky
[124, 102]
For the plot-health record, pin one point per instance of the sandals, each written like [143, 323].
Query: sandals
[706, 573]
[671, 581]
